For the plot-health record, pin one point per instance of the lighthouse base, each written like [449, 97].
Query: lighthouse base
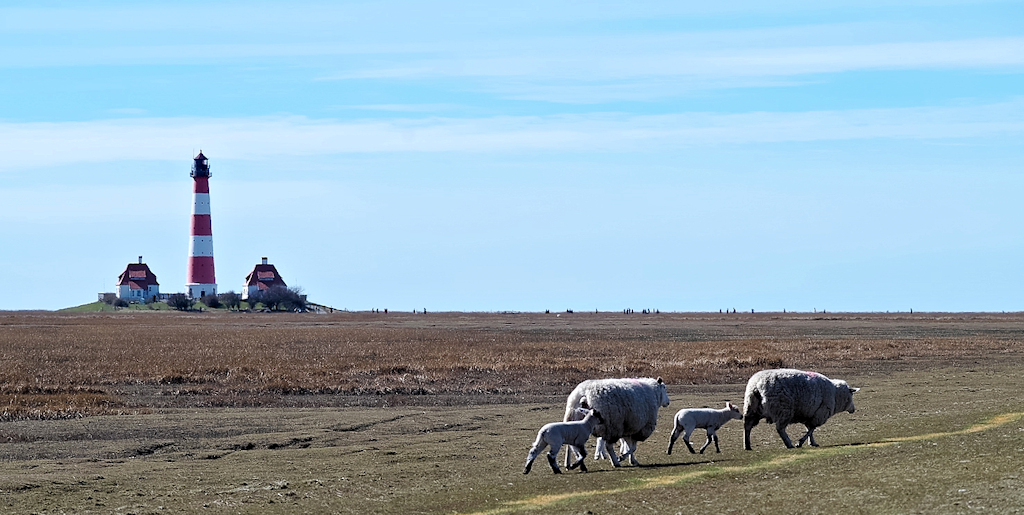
[200, 290]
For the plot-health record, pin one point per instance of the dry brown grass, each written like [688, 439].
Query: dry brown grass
[60, 365]
[924, 438]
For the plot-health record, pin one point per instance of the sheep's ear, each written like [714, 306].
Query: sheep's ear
[854, 390]
[659, 380]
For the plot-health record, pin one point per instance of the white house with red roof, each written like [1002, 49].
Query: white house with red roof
[262, 278]
[137, 283]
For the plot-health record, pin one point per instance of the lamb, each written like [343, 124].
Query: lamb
[710, 419]
[575, 434]
[788, 396]
[629, 407]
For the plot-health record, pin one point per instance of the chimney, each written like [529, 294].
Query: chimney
[264, 261]
[140, 260]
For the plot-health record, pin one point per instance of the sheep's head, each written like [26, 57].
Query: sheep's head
[734, 411]
[597, 420]
[844, 396]
[663, 391]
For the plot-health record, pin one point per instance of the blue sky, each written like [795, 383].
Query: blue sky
[859, 156]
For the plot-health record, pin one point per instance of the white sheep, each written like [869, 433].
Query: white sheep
[629, 407]
[710, 419]
[575, 434]
[787, 396]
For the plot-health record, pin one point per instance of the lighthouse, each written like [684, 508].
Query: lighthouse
[200, 278]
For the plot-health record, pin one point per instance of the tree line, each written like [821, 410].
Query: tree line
[277, 298]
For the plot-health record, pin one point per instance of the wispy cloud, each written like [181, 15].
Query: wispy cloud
[743, 62]
[594, 76]
[401, 108]
[42, 144]
[651, 70]
[128, 111]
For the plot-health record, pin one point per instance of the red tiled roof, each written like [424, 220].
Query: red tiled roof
[264, 276]
[137, 275]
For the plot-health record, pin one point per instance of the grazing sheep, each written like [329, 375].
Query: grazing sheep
[629, 407]
[575, 434]
[788, 396]
[710, 419]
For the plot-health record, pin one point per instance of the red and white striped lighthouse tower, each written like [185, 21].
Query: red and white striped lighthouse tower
[201, 279]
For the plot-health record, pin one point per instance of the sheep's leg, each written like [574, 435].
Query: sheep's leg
[611, 454]
[711, 435]
[554, 464]
[529, 465]
[629, 448]
[809, 435]
[672, 440]
[781, 429]
[601, 452]
[583, 456]
[748, 423]
[553, 459]
[686, 440]
[571, 415]
[570, 454]
[582, 453]
[570, 448]
[535, 451]
[717, 449]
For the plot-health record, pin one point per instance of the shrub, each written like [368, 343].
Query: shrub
[230, 300]
[180, 302]
[254, 298]
[295, 300]
[287, 299]
[211, 301]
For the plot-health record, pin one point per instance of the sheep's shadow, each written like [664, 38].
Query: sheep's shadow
[852, 444]
[831, 446]
[680, 464]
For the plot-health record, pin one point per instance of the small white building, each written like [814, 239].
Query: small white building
[137, 283]
[262, 278]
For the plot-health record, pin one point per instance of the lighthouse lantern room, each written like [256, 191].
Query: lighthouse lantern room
[201, 279]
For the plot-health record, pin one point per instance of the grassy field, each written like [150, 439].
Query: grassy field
[403, 413]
